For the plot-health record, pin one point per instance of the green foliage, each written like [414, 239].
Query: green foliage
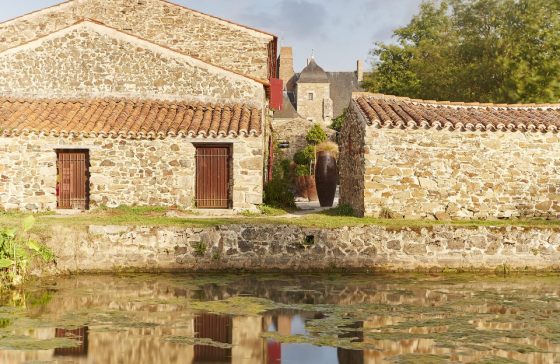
[341, 210]
[278, 191]
[474, 50]
[17, 253]
[316, 135]
[302, 171]
[200, 249]
[338, 122]
[305, 156]
[271, 210]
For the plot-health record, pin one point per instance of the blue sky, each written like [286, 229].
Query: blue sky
[338, 31]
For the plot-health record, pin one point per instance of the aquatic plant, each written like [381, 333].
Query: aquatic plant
[18, 251]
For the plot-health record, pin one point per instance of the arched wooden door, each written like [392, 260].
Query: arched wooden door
[213, 176]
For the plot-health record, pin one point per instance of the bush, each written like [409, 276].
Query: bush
[316, 135]
[278, 191]
[305, 156]
[302, 171]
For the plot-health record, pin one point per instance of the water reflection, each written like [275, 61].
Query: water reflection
[282, 319]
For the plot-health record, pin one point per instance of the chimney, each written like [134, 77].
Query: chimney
[360, 70]
[286, 71]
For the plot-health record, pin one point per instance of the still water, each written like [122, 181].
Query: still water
[170, 318]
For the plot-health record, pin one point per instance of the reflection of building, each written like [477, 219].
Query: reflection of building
[80, 334]
[216, 328]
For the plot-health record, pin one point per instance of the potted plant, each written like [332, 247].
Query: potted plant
[326, 172]
[305, 182]
[301, 184]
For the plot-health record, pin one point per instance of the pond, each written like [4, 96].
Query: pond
[269, 318]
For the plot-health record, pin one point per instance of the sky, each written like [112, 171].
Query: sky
[336, 32]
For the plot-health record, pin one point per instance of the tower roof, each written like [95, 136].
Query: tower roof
[313, 73]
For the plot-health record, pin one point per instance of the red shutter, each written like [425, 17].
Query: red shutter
[276, 94]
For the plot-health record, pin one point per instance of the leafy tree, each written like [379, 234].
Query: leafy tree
[316, 135]
[474, 50]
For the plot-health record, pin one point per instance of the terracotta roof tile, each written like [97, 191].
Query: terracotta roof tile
[399, 112]
[128, 118]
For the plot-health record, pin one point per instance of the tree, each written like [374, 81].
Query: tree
[474, 50]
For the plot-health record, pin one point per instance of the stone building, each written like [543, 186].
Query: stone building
[426, 159]
[132, 102]
[311, 96]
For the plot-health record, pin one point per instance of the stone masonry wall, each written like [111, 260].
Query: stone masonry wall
[92, 60]
[351, 163]
[123, 172]
[215, 41]
[292, 248]
[422, 173]
[314, 108]
[294, 131]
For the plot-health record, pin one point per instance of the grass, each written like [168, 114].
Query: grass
[156, 216]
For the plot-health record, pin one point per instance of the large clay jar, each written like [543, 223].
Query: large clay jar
[301, 187]
[311, 188]
[325, 178]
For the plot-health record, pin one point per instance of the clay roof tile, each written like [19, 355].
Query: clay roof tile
[126, 117]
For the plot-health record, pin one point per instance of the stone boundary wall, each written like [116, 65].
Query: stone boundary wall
[431, 173]
[351, 162]
[158, 172]
[296, 249]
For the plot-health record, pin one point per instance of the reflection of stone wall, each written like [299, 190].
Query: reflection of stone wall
[271, 247]
[123, 172]
[215, 41]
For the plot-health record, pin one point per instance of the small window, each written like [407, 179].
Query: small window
[310, 96]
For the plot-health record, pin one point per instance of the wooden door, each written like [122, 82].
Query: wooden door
[218, 329]
[73, 179]
[213, 175]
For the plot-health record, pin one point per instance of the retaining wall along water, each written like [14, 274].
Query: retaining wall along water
[292, 248]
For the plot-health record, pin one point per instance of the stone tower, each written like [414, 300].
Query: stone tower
[286, 65]
[314, 94]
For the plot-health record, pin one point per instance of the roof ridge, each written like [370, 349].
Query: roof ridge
[135, 100]
[379, 96]
[165, 1]
[101, 24]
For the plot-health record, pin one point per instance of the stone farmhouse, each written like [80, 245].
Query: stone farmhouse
[136, 102]
[426, 159]
[311, 96]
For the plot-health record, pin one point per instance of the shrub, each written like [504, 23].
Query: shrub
[338, 123]
[302, 171]
[278, 191]
[316, 135]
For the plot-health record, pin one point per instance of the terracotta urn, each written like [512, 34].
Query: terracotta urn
[326, 178]
[311, 188]
[301, 187]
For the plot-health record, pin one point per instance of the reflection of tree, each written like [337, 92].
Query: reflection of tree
[80, 334]
[216, 328]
